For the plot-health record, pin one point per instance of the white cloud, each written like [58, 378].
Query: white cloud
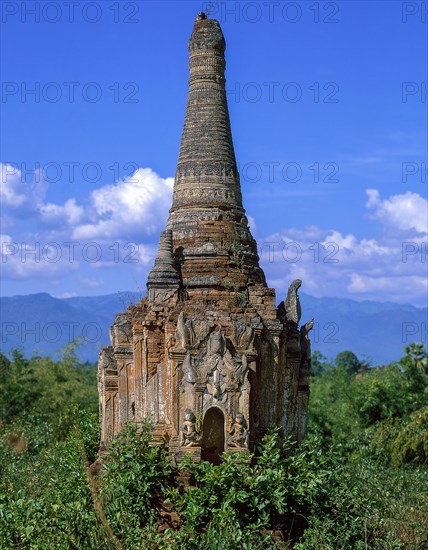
[392, 267]
[120, 224]
[57, 216]
[91, 282]
[402, 212]
[402, 288]
[66, 295]
[131, 208]
[12, 188]
[348, 242]
[15, 193]
[364, 283]
[26, 260]
[146, 254]
[252, 225]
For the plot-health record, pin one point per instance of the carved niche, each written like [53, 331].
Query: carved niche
[213, 371]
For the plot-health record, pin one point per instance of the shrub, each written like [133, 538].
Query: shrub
[279, 489]
[45, 500]
[403, 441]
[135, 478]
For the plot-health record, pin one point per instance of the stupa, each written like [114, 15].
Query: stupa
[207, 355]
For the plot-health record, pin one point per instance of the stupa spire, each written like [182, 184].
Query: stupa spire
[207, 218]
[206, 145]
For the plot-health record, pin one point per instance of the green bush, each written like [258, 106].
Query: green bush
[136, 476]
[43, 390]
[279, 489]
[403, 441]
[344, 404]
[46, 500]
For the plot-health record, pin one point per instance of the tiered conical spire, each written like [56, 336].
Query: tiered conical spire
[206, 161]
[211, 239]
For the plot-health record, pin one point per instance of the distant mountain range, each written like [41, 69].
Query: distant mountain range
[374, 331]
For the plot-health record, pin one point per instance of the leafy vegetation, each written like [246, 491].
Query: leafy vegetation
[360, 480]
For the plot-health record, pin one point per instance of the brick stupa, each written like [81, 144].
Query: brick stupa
[207, 355]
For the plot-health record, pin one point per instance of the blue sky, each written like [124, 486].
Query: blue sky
[328, 108]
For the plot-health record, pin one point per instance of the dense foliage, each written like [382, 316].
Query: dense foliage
[383, 410]
[360, 480]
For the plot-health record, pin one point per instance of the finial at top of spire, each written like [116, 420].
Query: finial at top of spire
[207, 34]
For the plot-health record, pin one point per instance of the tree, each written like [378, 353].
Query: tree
[348, 362]
[4, 367]
[43, 388]
[416, 356]
[415, 367]
[319, 364]
[19, 386]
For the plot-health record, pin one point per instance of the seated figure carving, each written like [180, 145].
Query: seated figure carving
[238, 433]
[190, 436]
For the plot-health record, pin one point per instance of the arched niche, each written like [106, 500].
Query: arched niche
[212, 444]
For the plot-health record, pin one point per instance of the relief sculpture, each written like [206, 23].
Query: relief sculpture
[190, 435]
[238, 433]
[218, 366]
[243, 336]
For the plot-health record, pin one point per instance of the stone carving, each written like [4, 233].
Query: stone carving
[218, 366]
[201, 329]
[307, 327]
[241, 371]
[180, 331]
[122, 329]
[216, 344]
[238, 433]
[207, 35]
[189, 373]
[243, 336]
[204, 195]
[191, 332]
[216, 385]
[185, 334]
[305, 343]
[170, 340]
[190, 435]
[107, 362]
[293, 310]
